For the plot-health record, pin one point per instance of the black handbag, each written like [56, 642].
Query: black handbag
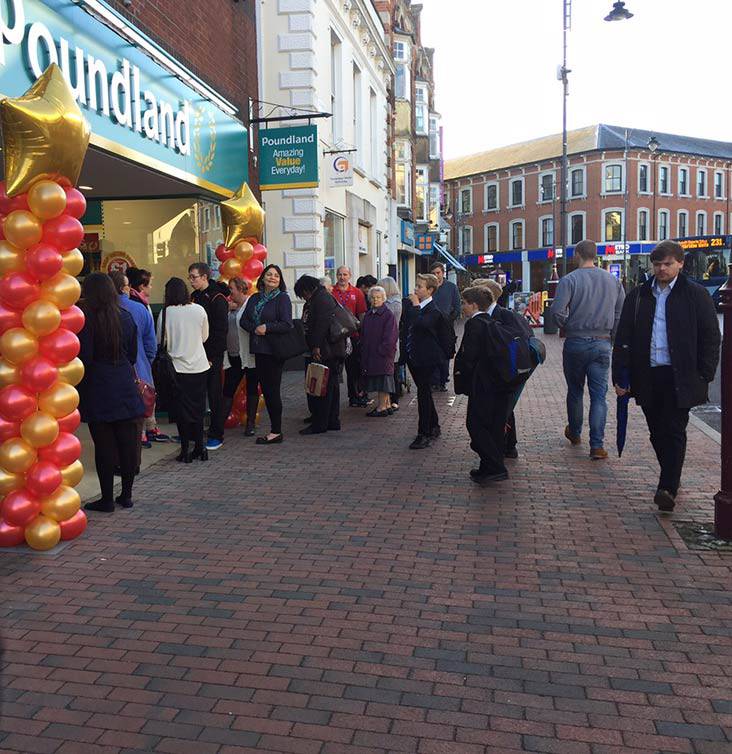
[163, 371]
[342, 324]
[287, 345]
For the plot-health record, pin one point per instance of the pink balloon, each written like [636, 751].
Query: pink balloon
[252, 269]
[8, 430]
[70, 422]
[19, 507]
[18, 289]
[222, 253]
[74, 526]
[60, 346]
[64, 232]
[260, 252]
[11, 536]
[72, 319]
[9, 318]
[43, 261]
[75, 203]
[43, 478]
[63, 452]
[38, 374]
[17, 403]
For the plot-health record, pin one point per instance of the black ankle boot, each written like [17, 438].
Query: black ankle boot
[181, 457]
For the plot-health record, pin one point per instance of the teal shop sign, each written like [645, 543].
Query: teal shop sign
[288, 158]
[137, 109]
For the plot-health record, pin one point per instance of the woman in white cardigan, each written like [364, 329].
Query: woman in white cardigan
[186, 330]
[238, 361]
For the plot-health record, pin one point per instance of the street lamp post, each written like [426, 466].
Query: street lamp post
[653, 146]
[723, 499]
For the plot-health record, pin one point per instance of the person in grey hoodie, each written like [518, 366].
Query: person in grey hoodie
[587, 308]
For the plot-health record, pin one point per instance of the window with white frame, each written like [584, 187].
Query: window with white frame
[336, 99]
[403, 170]
[612, 222]
[663, 224]
[683, 224]
[718, 184]
[433, 214]
[435, 150]
[576, 227]
[683, 181]
[421, 109]
[546, 233]
[402, 78]
[374, 131]
[718, 223]
[490, 240]
[701, 223]
[516, 192]
[613, 179]
[577, 182]
[517, 234]
[643, 224]
[701, 182]
[357, 114]
[466, 239]
[546, 187]
[664, 180]
[466, 201]
[491, 196]
[421, 190]
[644, 170]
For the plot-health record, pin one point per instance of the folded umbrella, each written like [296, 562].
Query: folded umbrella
[622, 411]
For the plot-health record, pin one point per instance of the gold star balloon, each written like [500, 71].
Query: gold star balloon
[242, 216]
[45, 134]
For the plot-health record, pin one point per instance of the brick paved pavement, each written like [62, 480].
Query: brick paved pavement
[251, 604]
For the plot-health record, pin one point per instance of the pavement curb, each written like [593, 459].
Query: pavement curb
[705, 429]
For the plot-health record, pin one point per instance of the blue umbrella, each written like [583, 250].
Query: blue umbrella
[622, 410]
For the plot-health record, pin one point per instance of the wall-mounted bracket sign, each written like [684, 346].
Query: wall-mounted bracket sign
[288, 158]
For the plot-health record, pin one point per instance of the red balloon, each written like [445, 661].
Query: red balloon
[63, 452]
[43, 478]
[17, 403]
[19, 507]
[18, 289]
[38, 374]
[64, 232]
[9, 318]
[19, 202]
[73, 527]
[8, 430]
[10, 535]
[75, 203]
[70, 422]
[232, 420]
[252, 269]
[43, 261]
[222, 253]
[60, 346]
[72, 319]
[260, 252]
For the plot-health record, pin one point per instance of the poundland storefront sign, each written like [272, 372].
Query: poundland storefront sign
[288, 158]
[137, 109]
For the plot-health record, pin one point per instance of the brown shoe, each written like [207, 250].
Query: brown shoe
[572, 438]
[598, 453]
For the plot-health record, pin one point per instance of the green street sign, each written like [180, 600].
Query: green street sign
[288, 158]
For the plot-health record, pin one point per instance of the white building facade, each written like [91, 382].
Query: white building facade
[329, 56]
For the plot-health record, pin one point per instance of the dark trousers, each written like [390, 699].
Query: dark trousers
[269, 373]
[326, 410]
[232, 377]
[428, 419]
[667, 424]
[510, 437]
[486, 424]
[214, 391]
[441, 374]
[115, 443]
[394, 397]
[353, 371]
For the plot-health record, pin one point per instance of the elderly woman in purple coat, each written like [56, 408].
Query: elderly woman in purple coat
[379, 338]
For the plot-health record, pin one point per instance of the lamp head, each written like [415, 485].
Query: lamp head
[653, 144]
[618, 13]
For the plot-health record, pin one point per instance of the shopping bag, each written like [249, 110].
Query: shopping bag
[316, 379]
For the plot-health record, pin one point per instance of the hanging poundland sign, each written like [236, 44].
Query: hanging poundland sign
[288, 158]
[137, 109]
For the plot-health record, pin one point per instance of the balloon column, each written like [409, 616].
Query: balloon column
[45, 138]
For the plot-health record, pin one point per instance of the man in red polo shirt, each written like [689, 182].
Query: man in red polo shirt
[349, 297]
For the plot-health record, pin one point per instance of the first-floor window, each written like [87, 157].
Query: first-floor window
[421, 195]
[643, 225]
[663, 225]
[718, 224]
[517, 235]
[613, 225]
[577, 228]
[467, 239]
[547, 231]
[683, 224]
[701, 223]
[491, 238]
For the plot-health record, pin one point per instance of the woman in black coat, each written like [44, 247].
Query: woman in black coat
[109, 400]
[269, 312]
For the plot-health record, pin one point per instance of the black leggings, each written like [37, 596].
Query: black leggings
[115, 442]
[269, 372]
[232, 377]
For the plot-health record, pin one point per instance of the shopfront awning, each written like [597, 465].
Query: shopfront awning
[442, 251]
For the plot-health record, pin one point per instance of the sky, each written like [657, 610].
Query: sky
[666, 69]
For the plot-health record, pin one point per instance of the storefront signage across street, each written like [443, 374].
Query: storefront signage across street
[136, 108]
[288, 158]
[340, 171]
[408, 234]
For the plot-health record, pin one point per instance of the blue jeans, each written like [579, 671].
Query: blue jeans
[587, 358]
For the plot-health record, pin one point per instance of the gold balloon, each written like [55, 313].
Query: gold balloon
[10, 482]
[41, 317]
[59, 400]
[62, 289]
[73, 372]
[9, 374]
[73, 262]
[22, 228]
[72, 474]
[18, 345]
[243, 251]
[11, 258]
[242, 216]
[39, 429]
[61, 504]
[47, 199]
[230, 268]
[46, 136]
[42, 533]
[16, 456]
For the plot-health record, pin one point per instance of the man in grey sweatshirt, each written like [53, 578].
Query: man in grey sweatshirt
[587, 308]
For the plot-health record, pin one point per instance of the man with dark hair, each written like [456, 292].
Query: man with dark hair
[213, 297]
[667, 350]
[587, 307]
[447, 300]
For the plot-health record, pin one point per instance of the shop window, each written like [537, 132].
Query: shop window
[335, 252]
[613, 225]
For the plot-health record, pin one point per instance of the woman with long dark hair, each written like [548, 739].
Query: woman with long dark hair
[183, 329]
[109, 400]
[269, 311]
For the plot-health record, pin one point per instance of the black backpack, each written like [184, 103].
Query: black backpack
[511, 356]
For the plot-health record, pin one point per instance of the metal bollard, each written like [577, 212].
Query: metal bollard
[723, 499]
